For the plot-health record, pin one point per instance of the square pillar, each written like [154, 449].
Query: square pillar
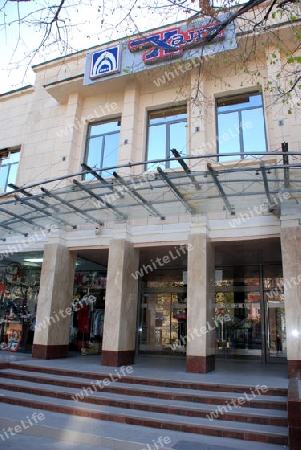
[51, 338]
[120, 323]
[200, 283]
[291, 259]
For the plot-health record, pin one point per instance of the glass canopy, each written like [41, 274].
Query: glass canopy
[200, 185]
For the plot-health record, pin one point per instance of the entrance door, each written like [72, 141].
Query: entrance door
[163, 322]
[249, 313]
[275, 315]
[238, 323]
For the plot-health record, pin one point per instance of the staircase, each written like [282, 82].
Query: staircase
[189, 407]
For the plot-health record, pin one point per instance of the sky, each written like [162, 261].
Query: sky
[88, 25]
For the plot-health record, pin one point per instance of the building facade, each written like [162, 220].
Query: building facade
[151, 202]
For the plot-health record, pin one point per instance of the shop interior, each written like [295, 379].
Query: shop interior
[19, 288]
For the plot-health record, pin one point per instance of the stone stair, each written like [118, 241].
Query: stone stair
[220, 410]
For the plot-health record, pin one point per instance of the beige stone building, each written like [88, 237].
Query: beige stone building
[192, 253]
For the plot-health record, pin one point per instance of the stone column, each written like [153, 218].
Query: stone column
[200, 324]
[291, 260]
[70, 143]
[51, 338]
[200, 123]
[118, 346]
[129, 147]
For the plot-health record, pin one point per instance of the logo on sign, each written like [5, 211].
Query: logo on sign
[170, 43]
[105, 62]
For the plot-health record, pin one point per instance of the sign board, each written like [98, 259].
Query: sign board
[158, 48]
[105, 62]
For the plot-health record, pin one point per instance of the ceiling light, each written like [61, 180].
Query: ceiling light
[34, 260]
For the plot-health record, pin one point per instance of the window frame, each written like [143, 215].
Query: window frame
[109, 133]
[8, 152]
[167, 129]
[239, 111]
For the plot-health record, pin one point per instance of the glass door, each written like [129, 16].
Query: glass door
[238, 324]
[238, 312]
[163, 323]
[276, 349]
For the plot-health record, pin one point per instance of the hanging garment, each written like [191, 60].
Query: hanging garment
[83, 319]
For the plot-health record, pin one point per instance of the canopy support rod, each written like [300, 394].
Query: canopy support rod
[82, 213]
[186, 168]
[43, 211]
[99, 178]
[15, 216]
[133, 193]
[175, 190]
[114, 210]
[220, 189]
[266, 185]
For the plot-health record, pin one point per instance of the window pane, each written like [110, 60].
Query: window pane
[106, 127]
[110, 157]
[253, 130]
[14, 158]
[3, 177]
[94, 155]
[12, 177]
[167, 115]
[228, 134]
[178, 140]
[239, 102]
[156, 143]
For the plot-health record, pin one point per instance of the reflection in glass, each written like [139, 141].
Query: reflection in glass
[9, 170]
[102, 147]
[241, 127]
[167, 129]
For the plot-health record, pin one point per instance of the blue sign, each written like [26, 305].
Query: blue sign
[105, 62]
[185, 41]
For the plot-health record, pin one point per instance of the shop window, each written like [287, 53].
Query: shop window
[240, 125]
[102, 146]
[9, 162]
[167, 129]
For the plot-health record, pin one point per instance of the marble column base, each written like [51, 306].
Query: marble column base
[294, 414]
[117, 358]
[294, 369]
[49, 351]
[200, 364]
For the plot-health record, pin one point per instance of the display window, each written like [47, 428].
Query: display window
[19, 289]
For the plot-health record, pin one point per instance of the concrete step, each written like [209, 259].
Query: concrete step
[248, 399]
[220, 428]
[223, 411]
[231, 412]
[246, 431]
[215, 387]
